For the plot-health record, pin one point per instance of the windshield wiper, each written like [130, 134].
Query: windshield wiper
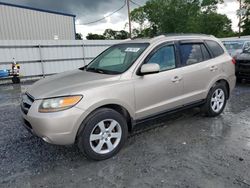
[83, 68]
[102, 71]
[92, 69]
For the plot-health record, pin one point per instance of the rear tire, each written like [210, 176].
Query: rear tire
[102, 134]
[216, 100]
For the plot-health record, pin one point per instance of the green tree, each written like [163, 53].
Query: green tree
[139, 16]
[109, 34]
[215, 24]
[78, 36]
[246, 18]
[210, 5]
[92, 36]
[147, 32]
[112, 34]
[122, 34]
[181, 16]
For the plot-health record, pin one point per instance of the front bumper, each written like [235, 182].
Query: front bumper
[242, 69]
[55, 128]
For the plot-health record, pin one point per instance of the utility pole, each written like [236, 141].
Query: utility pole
[240, 18]
[129, 21]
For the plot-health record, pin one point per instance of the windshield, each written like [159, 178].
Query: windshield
[117, 59]
[233, 45]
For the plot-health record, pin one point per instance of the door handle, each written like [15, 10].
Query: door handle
[176, 79]
[213, 68]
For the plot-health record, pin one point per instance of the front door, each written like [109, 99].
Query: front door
[159, 92]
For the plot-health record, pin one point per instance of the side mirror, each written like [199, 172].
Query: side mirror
[149, 69]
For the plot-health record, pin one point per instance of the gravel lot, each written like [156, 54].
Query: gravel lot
[181, 150]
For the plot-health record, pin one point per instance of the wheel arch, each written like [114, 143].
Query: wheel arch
[118, 107]
[225, 82]
[121, 110]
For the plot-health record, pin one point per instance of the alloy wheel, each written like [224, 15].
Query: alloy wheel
[217, 100]
[105, 136]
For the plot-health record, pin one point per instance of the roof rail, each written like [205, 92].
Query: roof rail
[157, 37]
[183, 34]
[128, 39]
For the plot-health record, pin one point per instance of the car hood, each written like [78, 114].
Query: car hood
[243, 56]
[69, 83]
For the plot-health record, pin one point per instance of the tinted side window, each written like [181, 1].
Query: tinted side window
[190, 54]
[205, 52]
[215, 48]
[165, 57]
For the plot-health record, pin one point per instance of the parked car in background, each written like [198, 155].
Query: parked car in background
[240, 51]
[131, 82]
[234, 47]
[243, 63]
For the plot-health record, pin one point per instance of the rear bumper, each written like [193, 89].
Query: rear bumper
[56, 128]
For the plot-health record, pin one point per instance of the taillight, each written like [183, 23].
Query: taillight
[234, 61]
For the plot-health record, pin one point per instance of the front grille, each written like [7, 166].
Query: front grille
[245, 63]
[243, 68]
[26, 102]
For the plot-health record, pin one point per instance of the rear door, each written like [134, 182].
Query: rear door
[199, 68]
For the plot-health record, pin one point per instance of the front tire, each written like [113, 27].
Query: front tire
[102, 134]
[216, 100]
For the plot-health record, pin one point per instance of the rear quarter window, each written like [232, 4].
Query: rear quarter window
[215, 48]
[192, 53]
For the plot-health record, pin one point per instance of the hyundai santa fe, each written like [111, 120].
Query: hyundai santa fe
[96, 106]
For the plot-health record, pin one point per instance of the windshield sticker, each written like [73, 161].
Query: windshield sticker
[132, 49]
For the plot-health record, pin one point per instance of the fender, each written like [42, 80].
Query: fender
[216, 79]
[99, 104]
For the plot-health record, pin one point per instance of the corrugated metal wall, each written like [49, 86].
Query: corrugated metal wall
[51, 56]
[26, 24]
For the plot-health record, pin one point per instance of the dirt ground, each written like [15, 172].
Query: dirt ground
[181, 150]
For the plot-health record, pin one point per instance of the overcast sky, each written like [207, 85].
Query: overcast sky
[90, 10]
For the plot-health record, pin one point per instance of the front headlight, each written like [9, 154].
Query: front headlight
[59, 104]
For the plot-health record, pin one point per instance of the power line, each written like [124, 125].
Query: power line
[95, 21]
[135, 3]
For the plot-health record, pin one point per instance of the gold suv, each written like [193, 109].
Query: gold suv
[97, 105]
